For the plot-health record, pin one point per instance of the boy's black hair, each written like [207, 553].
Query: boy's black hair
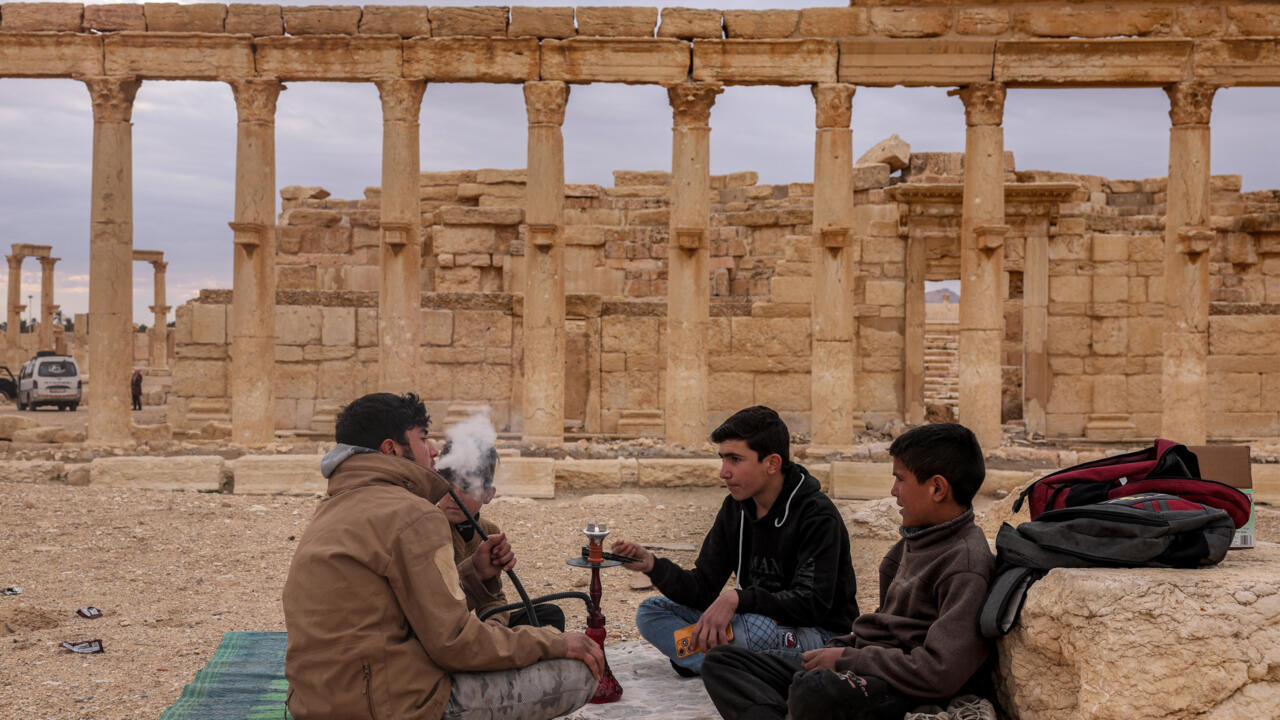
[762, 430]
[458, 477]
[945, 449]
[369, 420]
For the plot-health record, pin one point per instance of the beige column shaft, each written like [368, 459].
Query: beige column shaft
[1184, 385]
[159, 341]
[543, 387]
[913, 339]
[981, 259]
[832, 382]
[1035, 334]
[111, 258]
[400, 291]
[688, 257]
[14, 326]
[253, 294]
[47, 308]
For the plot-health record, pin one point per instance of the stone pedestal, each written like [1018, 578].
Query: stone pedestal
[544, 303]
[688, 276]
[981, 260]
[45, 339]
[400, 290]
[833, 363]
[111, 258]
[1184, 383]
[253, 297]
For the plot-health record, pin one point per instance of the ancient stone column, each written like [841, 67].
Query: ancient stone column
[1184, 385]
[47, 308]
[400, 291]
[253, 292]
[832, 381]
[688, 257]
[982, 234]
[1035, 334]
[111, 258]
[159, 331]
[14, 326]
[544, 365]
[915, 320]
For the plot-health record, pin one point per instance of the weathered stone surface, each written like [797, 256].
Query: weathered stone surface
[32, 471]
[910, 22]
[1255, 20]
[402, 20]
[114, 18]
[617, 21]
[872, 519]
[882, 62]
[1136, 644]
[870, 175]
[688, 24]
[278, 475]
[655, 472]
[157, 431]
[37, 434]
[50, 55]
[892, 151]
[178, 57]
[41, 17]
[541, 22]
[586, 474]
[657, 60]
[9, 424]
[472, 59]
[1086, 61]
[760, 24]
[860, 480]
[526, 477]
[982, 21]
[173, 17]
[833, 22]
[329, 57]
[252, 19]
[478, 21]
[1093, 22]
[773, 62]
[158, 473]
[458, 215]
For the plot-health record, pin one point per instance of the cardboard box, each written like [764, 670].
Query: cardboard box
[1230, 464]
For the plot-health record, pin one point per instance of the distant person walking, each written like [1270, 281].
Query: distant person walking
[135, 386]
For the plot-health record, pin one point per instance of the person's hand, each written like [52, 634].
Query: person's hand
[581, 647]
[493, 556]
[644, 558]
[824, 658]
[712, 628]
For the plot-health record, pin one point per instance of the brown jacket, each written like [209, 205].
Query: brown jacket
[375, 614]
[481, 594]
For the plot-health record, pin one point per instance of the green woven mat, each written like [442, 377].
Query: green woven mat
[244, 680]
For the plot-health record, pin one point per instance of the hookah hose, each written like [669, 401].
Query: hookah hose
[525, 601]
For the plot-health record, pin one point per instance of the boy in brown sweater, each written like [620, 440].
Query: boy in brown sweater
[922, 644]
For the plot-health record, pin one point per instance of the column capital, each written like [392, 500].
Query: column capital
[983, 103]
[1190, 103]
[256, 99]
[112, 96]
[48, 262]
[159, 266]
[545, 101]
[15, 261]
[835, 104]
[691, 103]
[401, 98]
[160, 309]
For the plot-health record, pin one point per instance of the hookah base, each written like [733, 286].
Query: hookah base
[608, 690]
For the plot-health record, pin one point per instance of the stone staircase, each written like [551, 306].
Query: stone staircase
[941, 365]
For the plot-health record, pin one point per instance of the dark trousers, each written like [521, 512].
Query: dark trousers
[548, 616]
[137, 402]
[770, 684]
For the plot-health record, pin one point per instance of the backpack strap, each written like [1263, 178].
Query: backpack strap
[1005, 599]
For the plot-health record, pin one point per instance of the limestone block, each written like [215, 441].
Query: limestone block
[1094, 22]
[471, 59]
[328, 57]
[481, 328]
[885, 292]
[476, 21]
[833, 22]
[541, 22]
[1110, 289]
[892, 151]
[50, 55]
[644, 60]
[617, 21]
[870, 175]
[526, 477]
[664, 472]
[200, 378]
[296, 380]
[862, 480]
[1266, 484]
[758, 24]
[1091, 61]
[145, 433]
[9, 424]
[464, 239]
[769, 336]
[1244, 334]
[880, 392]
[199, 473]
[1255, 20]
[37, 434]
[338, 326]
[32, 471]
[250, 19]
[178, 57]
[208, 324]
[687, 23]
[114, 18]
[402, 20]
[1147, 643]
[982, 21]
[458, 215]
[482, 382]
[882, 62]
[768, 62]
[588, 474]
[437, 327]
[783, 391]
[174, 17]
[909, 22]
[298, 324]
[1069, 335]
[278, 475]
[1006, 481]
[41, 17]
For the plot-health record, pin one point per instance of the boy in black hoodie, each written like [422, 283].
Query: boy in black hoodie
[778, 533]
[922, 644]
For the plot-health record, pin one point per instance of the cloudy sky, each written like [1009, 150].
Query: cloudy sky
[329, 134]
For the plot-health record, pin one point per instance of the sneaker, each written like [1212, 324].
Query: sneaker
[683, 671]
[928, 712]
[971, 707]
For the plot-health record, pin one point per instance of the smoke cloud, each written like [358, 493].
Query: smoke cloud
[470, 458]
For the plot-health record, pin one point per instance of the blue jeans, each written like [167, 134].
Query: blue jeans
[658, 618]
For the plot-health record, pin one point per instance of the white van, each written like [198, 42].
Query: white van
[49, 379]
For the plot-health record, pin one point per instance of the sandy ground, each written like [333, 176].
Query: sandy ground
[173, 571]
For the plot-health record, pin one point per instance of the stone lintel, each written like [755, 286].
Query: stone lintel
[650, 60]
[954, 192]
[915, 62]
[472, 59]
[329, 57]
[765, 62]
[22, 250]
[178, 56]
[1238, 61]
[150, 256]
[50, 54]
[1119, 63]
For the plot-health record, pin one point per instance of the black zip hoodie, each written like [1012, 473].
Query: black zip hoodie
[793, 564]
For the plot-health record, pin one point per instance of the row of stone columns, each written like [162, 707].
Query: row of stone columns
[44, 340]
